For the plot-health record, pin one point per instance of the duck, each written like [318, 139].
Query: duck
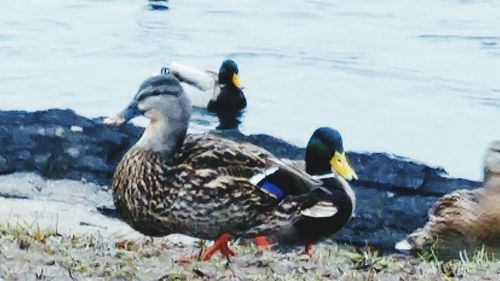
[312, 228]
[464, 219]
[208, 187]
[227, 100]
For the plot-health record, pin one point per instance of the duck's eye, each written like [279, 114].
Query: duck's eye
[165, 70]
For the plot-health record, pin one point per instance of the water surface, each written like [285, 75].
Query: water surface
[416, 78]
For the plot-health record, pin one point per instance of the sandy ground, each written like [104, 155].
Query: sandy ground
[53, 230]
[65, 206]
[35, 254]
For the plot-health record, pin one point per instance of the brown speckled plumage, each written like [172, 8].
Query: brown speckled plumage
[213, 188]
[202, 191]
[450, 221]
[464, 219]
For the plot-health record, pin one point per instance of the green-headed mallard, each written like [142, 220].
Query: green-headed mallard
[464, 219]
[227, 99]
[325, 161]
[209, 187]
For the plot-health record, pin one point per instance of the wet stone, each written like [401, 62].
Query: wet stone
[4, 166]
[393, 192]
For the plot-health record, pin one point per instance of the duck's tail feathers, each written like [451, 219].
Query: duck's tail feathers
[202, 79]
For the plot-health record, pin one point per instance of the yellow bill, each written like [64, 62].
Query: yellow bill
[341, 166]
[236, 81]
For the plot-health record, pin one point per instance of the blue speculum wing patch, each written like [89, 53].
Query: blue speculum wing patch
[272, 189]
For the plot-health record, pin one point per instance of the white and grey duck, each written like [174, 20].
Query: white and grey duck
[213, 188]
[464, 219]
[226, 99]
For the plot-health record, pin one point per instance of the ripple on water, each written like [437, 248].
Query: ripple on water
[202, 120]
[490, 101]
[226, 12]
[487, 42]
[362, 51]
[459, 37]
[254, 54]
[489, 45]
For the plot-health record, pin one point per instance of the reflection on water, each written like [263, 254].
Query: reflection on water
[409, 77]
[201, 119]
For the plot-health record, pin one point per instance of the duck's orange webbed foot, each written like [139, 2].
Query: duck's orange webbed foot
[226, 251]
[262, 243]
[220, 244]
[308, 249]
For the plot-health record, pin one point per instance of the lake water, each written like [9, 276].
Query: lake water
[416, 78]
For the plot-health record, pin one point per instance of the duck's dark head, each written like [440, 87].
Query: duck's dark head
[159, 97]
[325, 154]
[228, 74]
[492, 162]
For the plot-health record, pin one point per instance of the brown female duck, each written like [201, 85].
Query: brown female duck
[206, 186]
[464, 219]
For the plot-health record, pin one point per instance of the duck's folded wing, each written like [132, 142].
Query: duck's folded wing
[297, 180]
[322, 209]
[292, 208]
[245, 160]
[297, 164]
[202, 79]
[207, 151]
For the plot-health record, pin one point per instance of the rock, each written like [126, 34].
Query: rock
[5, 168]
[94, 164]
[32, 186]
[278, 147]
[382, 217]
[284, 267]
[390, 170]
[206, 271]
[23, 155]
[393, 193]
[440, 185]
[61, 144]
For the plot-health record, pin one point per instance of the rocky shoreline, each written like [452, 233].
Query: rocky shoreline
[393, 192]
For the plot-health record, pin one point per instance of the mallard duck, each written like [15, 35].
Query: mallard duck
[464, 219]
[324, 150]
[227, 99]
[209, 187]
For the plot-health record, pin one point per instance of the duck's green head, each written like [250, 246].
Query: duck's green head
[325, 154]
[228, 74]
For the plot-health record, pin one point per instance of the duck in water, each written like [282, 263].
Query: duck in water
[227, 100]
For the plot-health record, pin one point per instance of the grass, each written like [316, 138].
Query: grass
[477, 263]
[30, 253]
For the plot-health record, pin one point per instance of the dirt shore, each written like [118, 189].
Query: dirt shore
[28, 252]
